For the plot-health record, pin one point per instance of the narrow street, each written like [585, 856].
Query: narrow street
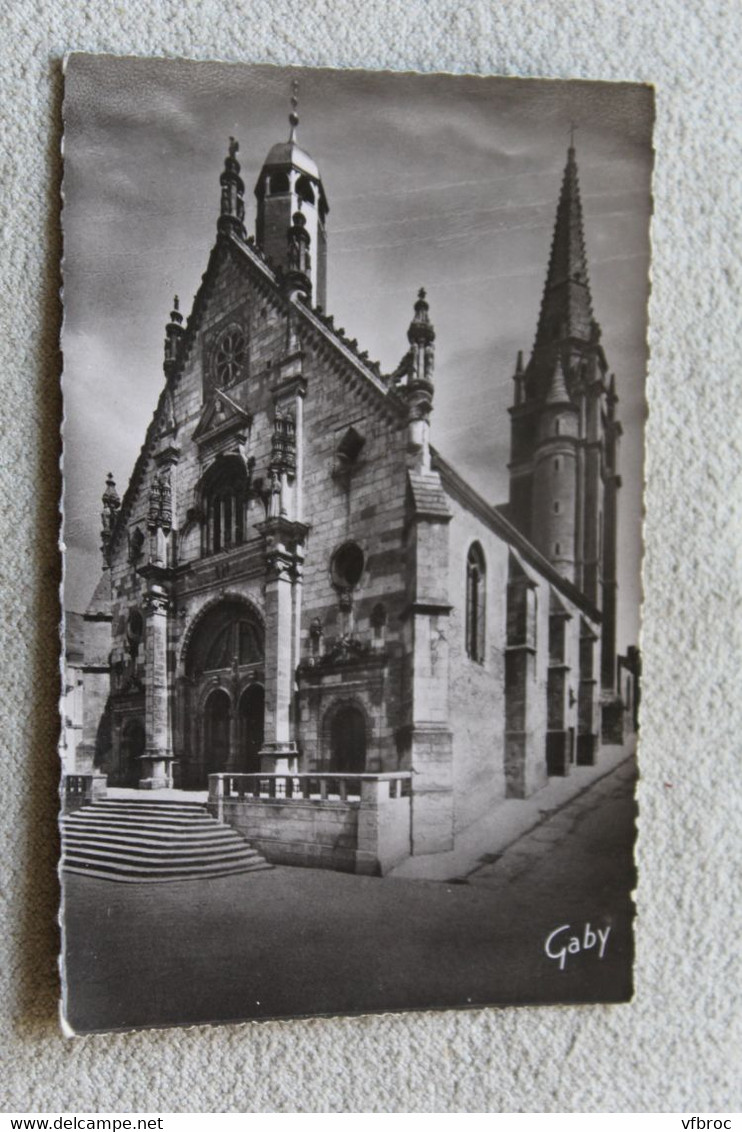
[304, 941]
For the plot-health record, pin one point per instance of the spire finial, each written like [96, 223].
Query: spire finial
[176, 303]
[572, 128]
[294, 115]
[232, 210]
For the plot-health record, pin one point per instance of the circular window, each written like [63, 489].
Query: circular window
[347, 565]
[229, 357]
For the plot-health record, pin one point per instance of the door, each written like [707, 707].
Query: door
[132, 749]
[348, 741]
[216, 732]
[252, 714]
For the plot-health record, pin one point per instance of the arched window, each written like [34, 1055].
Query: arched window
[225, 503]
[476, 578]
[304, 190]
[227, 635]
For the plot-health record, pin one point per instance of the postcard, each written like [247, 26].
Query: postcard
[354, 369]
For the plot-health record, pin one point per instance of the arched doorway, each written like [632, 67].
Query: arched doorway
[216, 732]
[348, 741]
[252, 725]
[224, 653]
[131, 751]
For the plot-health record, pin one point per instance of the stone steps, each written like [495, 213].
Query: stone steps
[148, 841]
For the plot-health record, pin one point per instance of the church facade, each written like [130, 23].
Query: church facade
[295, 582]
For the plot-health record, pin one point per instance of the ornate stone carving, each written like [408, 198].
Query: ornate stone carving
[160, 513]
[111, 504]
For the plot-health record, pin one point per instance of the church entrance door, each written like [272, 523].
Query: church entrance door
[223, 703]
[252, 727]
[132, 748]
[216, 732]
[348, 741]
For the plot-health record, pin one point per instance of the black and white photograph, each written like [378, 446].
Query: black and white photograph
[353, 453]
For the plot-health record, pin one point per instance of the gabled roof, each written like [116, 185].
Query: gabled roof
[229, 243]
[220, 414]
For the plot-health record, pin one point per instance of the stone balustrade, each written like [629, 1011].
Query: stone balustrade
[77, 789]
[350, 822]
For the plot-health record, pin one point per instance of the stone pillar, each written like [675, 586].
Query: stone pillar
[428, 736]
[525, 764]
[284, 551]
[158, 755]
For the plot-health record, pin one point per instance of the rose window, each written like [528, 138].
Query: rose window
[230, 356]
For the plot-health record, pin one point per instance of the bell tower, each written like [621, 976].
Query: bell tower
[289, 184]
[564, 429]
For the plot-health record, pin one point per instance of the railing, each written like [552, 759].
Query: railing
[80, 788]
[319, 787]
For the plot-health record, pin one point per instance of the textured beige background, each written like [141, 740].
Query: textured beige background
[677, 1046]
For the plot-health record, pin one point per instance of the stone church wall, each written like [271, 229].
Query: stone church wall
[477, 691]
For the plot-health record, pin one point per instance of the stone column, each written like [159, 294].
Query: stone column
[158, 755]
[283, 550]
[428, 734]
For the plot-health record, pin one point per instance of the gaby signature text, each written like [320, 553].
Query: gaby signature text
[559, 943]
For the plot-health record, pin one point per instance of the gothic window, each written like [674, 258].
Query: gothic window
[237, 641]
[230, 356]
[228, 635]
[225, 506]
[557, 507]
[476, 576]
[346, 566]
[304, 190]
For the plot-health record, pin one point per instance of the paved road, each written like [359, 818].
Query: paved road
[304, 941]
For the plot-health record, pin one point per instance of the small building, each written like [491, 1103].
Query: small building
[297, 584]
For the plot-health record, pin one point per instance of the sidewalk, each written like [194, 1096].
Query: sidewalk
[511, 819]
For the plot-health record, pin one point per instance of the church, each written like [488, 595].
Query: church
[304, 608]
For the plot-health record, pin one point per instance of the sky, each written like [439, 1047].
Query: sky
[442, 181]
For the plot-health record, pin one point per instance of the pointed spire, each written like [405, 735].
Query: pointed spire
[232, 212]
[294, 115]
[173, 334]
[419, 362]
[557, 392]
[566, 307]
[111, 503]
[519, 379]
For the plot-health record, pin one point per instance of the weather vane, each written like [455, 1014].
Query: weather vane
[294, 115]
